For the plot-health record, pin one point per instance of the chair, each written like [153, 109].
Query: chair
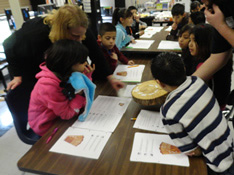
[18, 101]
[3, 65]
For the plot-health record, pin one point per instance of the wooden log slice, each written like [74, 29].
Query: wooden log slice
[149, 93]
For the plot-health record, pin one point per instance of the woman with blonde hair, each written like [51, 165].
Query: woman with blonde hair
[25, 48]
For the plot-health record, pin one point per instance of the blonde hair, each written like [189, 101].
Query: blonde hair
[63, 19]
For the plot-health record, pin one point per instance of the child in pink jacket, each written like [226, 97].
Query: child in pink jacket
[52, 97]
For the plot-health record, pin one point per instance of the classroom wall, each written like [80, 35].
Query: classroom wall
[107, 3]
[5, 4]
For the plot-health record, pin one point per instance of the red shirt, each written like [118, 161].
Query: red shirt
[107, 54]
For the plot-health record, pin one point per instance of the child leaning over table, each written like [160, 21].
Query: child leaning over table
[53, 97]
[106, 42]
[180, 18]
[192, 116]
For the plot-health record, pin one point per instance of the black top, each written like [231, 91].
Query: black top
[133, 30]
[220, 44]
[25, 49]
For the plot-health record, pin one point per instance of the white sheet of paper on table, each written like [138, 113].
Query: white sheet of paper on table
[141, 44]
[146, 149]
[146, 35]
[126, 91]
[169, 45]
[168, 29]
[152, 28]
[150, 120]
[150, 31]
[105, 114]
[91, 146]
[134, 74]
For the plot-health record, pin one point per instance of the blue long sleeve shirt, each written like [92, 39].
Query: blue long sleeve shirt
[122, 37]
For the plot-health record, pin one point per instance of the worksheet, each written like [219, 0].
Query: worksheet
[146, 148]
[154, 28]
[81, 142]
[128, 73]
[126, 91]
[150, 31]
[150, 121]
[169, 45]
[141, 44]
[105, 114]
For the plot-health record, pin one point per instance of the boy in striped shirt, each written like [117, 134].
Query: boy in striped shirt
[192, 116]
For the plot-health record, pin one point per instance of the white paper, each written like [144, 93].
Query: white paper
[151, 28]
[169, 45]
[1, 49]
[168, 29]
[141, 44]
[150, 121]
[150, 31]
[146, 149]
[132, 73]
[146, 35]
[91, 146]
[105, 114]
[87, 6]
[126, 91]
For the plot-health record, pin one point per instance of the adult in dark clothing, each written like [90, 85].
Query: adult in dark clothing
[222, 18]
[219, 64]
[25, 48]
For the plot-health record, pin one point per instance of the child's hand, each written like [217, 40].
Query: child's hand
[141, 32]
[116, 84]
[133, 41]
[114, 56]
[174, 26]
[137, 18]
[196, 152]
[142, 27]
[89, 69]
[131, 62]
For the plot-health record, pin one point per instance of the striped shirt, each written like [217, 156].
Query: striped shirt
[192, 116]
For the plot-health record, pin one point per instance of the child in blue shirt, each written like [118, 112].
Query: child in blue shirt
[121, 19]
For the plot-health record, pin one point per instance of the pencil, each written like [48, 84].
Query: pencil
[133, 119]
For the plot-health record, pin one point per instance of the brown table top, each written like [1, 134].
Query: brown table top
[115, 157]
[154, 47]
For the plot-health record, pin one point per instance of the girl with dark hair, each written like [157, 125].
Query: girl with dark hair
[200, 48]
[121, 19]
[183, 40]
[52, 96]
[200, 41]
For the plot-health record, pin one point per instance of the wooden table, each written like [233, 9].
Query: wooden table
[154, 47]
[115, 157]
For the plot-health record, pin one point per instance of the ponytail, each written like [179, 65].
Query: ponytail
[120, 13]
[115, 16]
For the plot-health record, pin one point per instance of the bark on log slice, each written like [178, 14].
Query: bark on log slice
[149, 93]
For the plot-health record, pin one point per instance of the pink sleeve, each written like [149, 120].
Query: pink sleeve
[59, 103]
[89, 75]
